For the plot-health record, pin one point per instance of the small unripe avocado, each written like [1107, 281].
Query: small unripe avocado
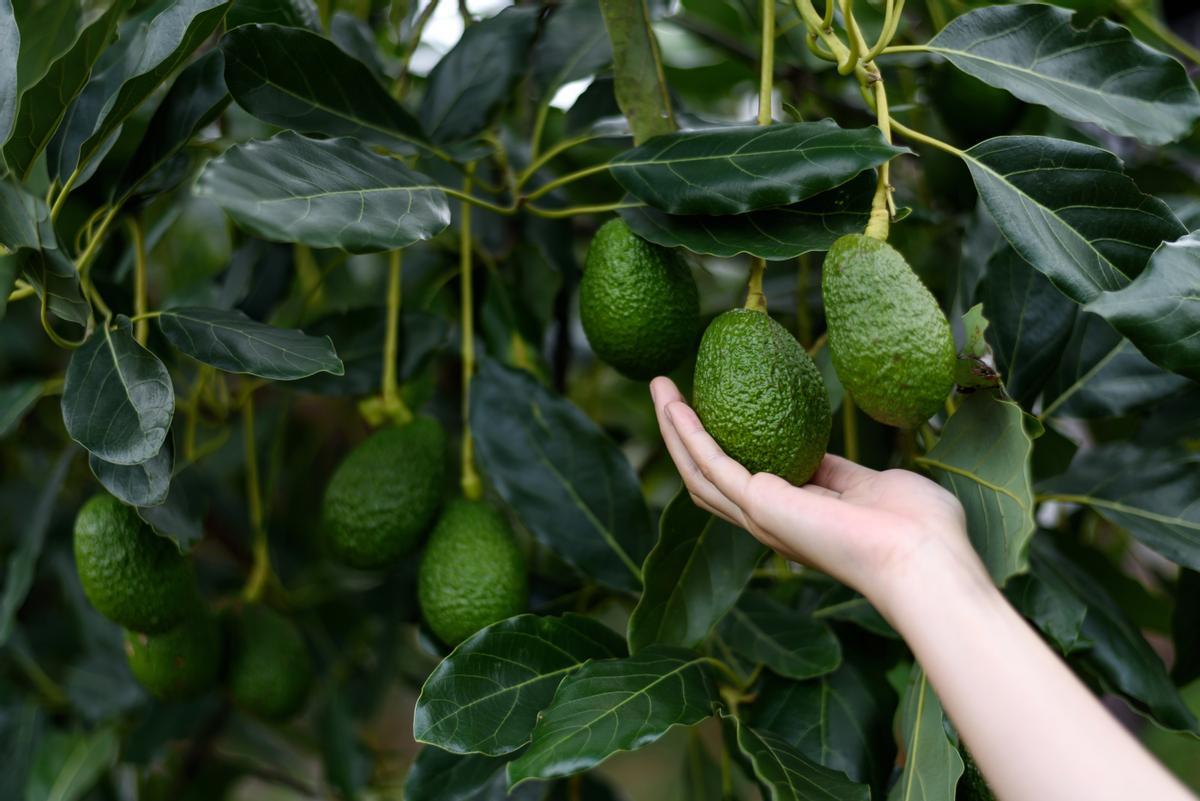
[270, 671]
[178, 663]
[472, 574]
[385, 494]
[638, 303]
[130, 574]
[890, 342]
[760, 396]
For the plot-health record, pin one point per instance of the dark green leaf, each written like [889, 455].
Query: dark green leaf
[297, 13]
[788, 775]
[1150, 492]
[1070, 211]
[44, 103]
[117, 400]
[347, 767]
[568, 482]
[485, 697]
[332, 193]
[983, 457]
[101, 686]
[1160, 311]
[573, 45]
[20, 212]
[231, 341]
[692, 577]
[54, 276]
[438, 775]
[616, 705]
[10, 45]
[791, 643]
[67, 765]
[18, 573]
[21, 726]
[471, 81]
[297, 79]
[932, 765]
[1100, 75]
[16, 399]
[740, 169]
[1058, 612]
[640, 86]
[842, 603]
[180, 518]
[775, 234]
[144, 484]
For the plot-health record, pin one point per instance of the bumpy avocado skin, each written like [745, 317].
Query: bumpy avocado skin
[890, 342]
[179, 663]
[638, 303]
[130, 574]
[385, 494]
[760, 396]
[472, 573]
[271, 671]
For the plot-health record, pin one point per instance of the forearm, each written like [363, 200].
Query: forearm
[1034, 729]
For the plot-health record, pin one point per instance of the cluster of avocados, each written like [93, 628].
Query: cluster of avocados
[756, 390]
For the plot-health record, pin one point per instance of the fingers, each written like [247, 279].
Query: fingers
[722, 472]
[703, 493]
[840, 475]
[810, 512]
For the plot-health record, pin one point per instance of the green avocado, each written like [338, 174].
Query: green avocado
[385, 494]
[760, 396]
[472, 573]
[972, 786]
[638, 303]
[130, 574]
[179, 663]
[890, 342]
[270, 671]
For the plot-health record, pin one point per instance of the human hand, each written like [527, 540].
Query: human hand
[874, 531]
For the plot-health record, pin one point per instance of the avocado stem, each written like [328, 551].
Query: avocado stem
[472, 486]
[756, 299]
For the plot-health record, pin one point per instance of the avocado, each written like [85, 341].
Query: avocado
[890, 342]
[270, 671]
[638, 303]
[178, 663]
[760, 396]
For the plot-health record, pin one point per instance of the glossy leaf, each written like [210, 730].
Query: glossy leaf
[179, 518]
[692, 577]
[471, 82]
[20, 212]
[144, 484]
[639, 84]
[16, 399]
[568, 482]
[231, 341]
[1149, 492]
[1100, 74]
[485, 697]
[68, 764]
[298, 79]
[788, 775]
[740, 169]
[1058, 612]
[332, 193]
[297, 13]
[54, 276]
[983, 457]
[1070, 211]
[616, 705]
[774, 234]
[932, 765]
[438, 775]
[117, 400]
[347, 766]
[21, 731]
[10, 45]
[791, 643]
[1160, 311]
[573, 45]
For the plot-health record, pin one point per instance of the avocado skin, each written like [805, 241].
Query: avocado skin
[638, 303]
[760, 396]
[270, 671]
[179, 663]
[890, 342]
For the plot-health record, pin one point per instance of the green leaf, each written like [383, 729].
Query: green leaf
[16, 399]
[486, 695]
[983, 458]
[297, 79]
[10, 87]
[773, 234]
[197, 97]
[692, 577]
[347, 766]
[616, 705]
[117, 400]
[68, 765]
[43, 105]
[53, 274]
[438, 775]
[20, 212]
[1149, 492]
[791, 643]
[842, 603]
[332, 193]
[932, 765]
[1100, 74]
[471, 82]
[1160, 311]
[144, 484]
[21, 730]
[1057, 611]
[573, 45]
[788, 775]
[22, 561]
[1070, 211]
[568, 482]
[640, 86]
[739, 169]
[296, 13]
[180, 518]
[229, 340]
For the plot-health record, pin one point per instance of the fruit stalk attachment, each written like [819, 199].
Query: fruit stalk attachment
[393, 403]
[472, 486]
[261, 569]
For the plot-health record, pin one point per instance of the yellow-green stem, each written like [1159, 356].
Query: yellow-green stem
[766, 74]
[261, 569]
[572, 211]
[392, 401]
[21, 292]
[881, 204]
[849, 428]
[93, 246]
[917, 136]
[61, 200]
[756, 299]
[141, 328]
[565, 179]
[550, 153]
[472, 486]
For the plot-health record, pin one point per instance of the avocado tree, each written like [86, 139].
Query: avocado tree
[329, 466]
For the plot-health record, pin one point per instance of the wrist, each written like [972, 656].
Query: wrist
[931, 577]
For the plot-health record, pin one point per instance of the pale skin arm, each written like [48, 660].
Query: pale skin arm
[1036, 732]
